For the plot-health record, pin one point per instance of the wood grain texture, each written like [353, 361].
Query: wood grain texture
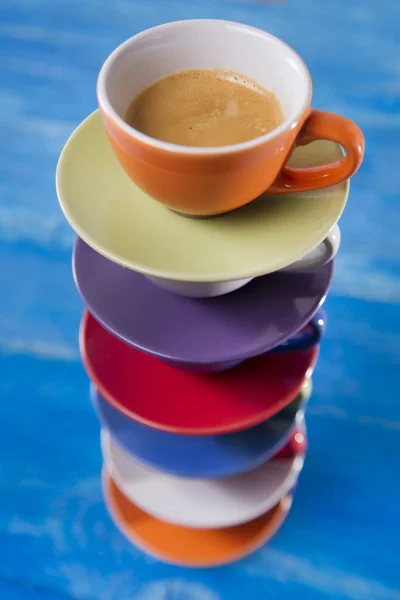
[56, 540]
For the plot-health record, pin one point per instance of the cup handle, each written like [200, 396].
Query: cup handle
[321, 125]
[296, 445]
[308, 337]
[320, 255]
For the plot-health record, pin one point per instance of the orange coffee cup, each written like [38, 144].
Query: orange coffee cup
[209, 181]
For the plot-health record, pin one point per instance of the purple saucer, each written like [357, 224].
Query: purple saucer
[198, 334]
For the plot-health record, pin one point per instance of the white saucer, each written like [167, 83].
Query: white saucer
[198, 503]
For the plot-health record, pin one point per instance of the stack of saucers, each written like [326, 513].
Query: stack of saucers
[200, 338]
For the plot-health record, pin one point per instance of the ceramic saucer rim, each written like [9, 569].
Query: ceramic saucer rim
[253, 353]
[294, 468]
[154, 272]
[298, 422]
[215, 430]
[278, 521]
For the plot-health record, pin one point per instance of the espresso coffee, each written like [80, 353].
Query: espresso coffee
[205, 107]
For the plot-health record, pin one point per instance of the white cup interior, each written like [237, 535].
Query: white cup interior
[203, 44]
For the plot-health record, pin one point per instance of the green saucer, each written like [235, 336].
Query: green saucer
[122, 223]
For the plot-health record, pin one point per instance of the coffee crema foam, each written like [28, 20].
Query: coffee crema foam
[205, 107]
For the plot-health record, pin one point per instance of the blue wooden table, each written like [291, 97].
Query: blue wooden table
[56, 540]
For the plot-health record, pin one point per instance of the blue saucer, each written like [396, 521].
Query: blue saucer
[206, 457]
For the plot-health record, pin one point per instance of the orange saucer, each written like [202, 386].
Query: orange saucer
[184, 546]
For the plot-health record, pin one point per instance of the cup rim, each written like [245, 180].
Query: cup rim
[108, 109]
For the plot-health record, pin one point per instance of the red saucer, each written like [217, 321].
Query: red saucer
[151, 392]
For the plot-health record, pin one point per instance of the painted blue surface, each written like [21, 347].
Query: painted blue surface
[56, 540]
